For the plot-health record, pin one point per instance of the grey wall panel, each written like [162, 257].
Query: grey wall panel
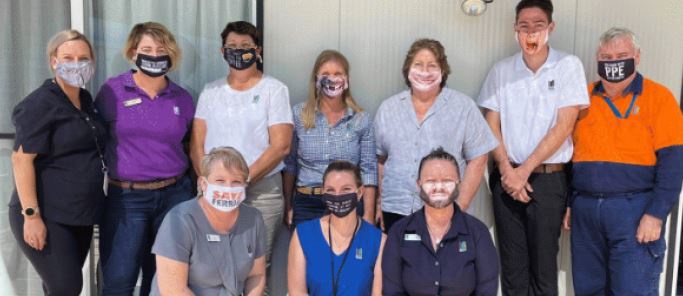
[295, 32]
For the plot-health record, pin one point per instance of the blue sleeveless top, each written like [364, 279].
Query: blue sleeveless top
[358, 272]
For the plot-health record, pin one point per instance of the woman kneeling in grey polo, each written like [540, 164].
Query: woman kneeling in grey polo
[213, 244]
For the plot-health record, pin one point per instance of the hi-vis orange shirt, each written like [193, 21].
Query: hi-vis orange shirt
[634, 144]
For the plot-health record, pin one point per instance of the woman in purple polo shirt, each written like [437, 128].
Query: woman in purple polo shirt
[148, 117]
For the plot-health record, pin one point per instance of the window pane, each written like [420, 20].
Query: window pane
[196, 26]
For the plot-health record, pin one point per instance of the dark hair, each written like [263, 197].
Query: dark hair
[439, 52]
[545, 5]
[343, 166]
[438, 154]
[242, 28]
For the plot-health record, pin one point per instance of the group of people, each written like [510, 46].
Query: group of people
[377, 205]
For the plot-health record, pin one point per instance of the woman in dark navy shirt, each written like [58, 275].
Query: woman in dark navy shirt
[58, 168]
[439, 250]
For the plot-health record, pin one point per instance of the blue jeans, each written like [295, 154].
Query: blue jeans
[131, 220]
[606, 258]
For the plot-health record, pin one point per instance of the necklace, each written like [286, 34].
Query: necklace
[436, 239]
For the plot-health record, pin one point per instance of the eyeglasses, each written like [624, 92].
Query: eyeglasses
[242, 46]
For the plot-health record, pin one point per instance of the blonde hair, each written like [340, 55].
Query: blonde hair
[229, 157]
[62, 37]
[160, 35]
[308, 113]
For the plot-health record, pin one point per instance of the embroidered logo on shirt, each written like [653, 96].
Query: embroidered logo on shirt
[636, 108]
[551, 85]
[256, 99]
[250, 253]
[359, 253]
[463, 247]
[176, 110]
[132, 102]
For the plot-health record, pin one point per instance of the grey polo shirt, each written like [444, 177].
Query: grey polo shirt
[219, 264]
[453, 122]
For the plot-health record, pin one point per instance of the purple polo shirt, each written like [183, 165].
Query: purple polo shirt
[145, 135]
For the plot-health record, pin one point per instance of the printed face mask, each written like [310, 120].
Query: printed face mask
[223, 198]
[153, 66]
[240, 59]
[532, 43]
[340, 205]
[75, 73]
[616, 71]
[439, 194]
[332, 87]
[424, 80]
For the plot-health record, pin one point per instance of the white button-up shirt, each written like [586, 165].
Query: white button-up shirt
[528, 102]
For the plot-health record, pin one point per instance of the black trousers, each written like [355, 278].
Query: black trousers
[390, 219]
[528, 234]
[60, 262]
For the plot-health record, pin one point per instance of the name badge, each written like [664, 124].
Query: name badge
[412, 237]
[359, 254]
[463, 247]
[176, 110]
[213, 238]
[132, 102]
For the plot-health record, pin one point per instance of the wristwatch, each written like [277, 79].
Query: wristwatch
[30, 212]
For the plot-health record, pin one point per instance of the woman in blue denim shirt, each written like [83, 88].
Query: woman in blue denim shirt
[329, 126]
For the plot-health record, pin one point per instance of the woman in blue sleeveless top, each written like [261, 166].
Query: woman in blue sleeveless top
[338, 254]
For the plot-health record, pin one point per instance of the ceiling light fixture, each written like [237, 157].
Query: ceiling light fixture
[474, 7]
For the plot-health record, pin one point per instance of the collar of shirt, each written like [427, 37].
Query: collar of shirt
[441, 99]
[635, 87]
[52, 86]
[550, 62]
[419, 225]
[320, 117]
[129, 83]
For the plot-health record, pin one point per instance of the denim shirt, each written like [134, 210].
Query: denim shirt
[351, 139]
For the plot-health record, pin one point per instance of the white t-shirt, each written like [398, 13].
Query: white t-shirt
[529, 102]
[240, 119]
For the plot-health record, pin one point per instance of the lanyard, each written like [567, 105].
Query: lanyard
[97, 143]
[335, 280]
[616, 111]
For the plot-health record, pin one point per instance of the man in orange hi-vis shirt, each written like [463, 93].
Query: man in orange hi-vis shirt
[627, 174]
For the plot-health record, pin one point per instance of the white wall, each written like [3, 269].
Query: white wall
[375, 36]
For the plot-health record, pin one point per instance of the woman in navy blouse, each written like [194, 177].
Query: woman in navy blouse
[329, 126]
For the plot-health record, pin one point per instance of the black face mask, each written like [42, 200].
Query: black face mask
[616, 71]
[340, 205]
[240, 59]
[153, 66]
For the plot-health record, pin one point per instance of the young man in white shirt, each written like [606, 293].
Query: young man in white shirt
[532, 100]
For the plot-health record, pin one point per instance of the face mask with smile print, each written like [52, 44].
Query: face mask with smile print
[532, 43]
[332, 86]
[424, 80]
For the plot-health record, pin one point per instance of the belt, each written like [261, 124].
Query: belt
[310, 190]
[545, 168]
[612, 195]
[151, 185]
